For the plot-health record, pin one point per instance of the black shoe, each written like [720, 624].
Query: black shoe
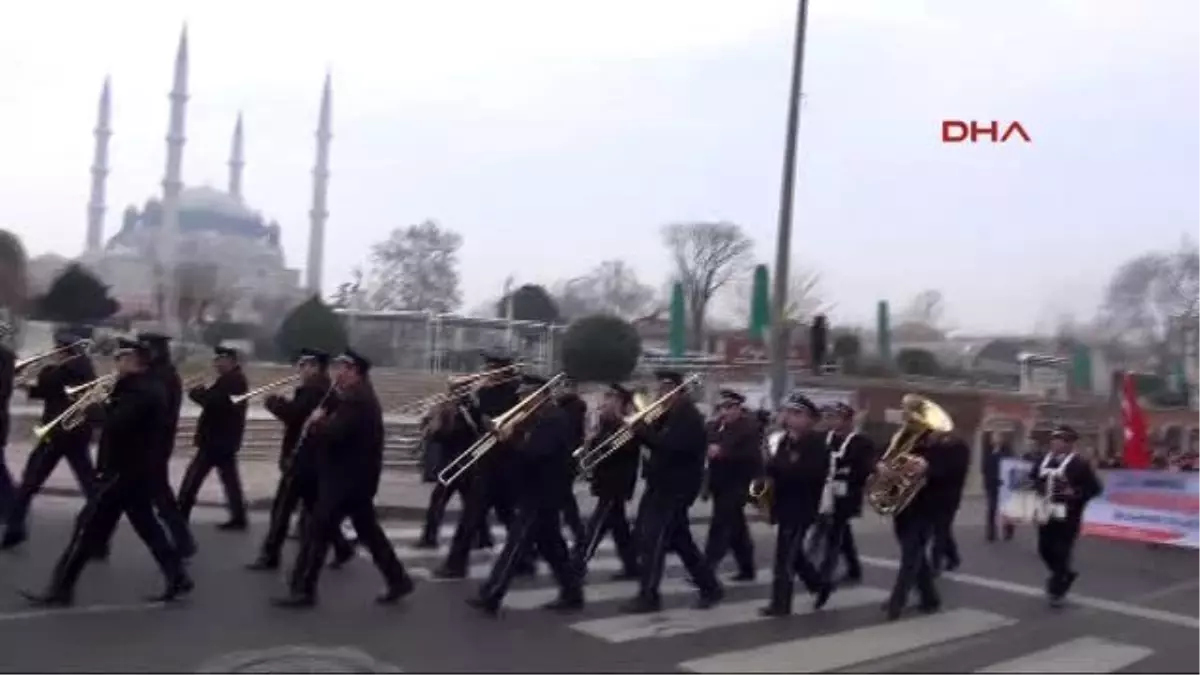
[488, 606]
[930, 607]
[295, 600]
[395, 591]
[626, 575]
[177, 588]
[775, 611]
[851, 578]
[448, 573]
[526, 570]
[744, 576]
[49, 600]
[263, 565]
[101, 555]
[187, 552]
[425, 544]
[341, 558]
[640, 605]
[821, 597]
[710, 599]
[484, 544]
[233, 525]
[952, 565]
[893, 611]
[13, 539]
[564, 604]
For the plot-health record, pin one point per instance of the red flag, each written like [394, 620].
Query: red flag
[1136, 453]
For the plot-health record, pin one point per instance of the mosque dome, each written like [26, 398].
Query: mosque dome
[202, 210]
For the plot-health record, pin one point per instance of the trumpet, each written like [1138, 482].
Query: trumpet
[461, 386]
[589, 458]
[281, 382]
[95, 393]
[78, 389]
[27, 376]
[503, 426]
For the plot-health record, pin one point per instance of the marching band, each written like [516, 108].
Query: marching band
[514, 444]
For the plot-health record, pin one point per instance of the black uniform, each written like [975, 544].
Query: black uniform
[124, 486]
[1069, 482]
[674, 472]
[575, 414]
[298, 478]
[729, 476]
[218, 438]
[72, 444]
[447, 436]
[542, 461]
[993, 457]
[797, 472]
[944, 550]
[7, 373]
[612, 482]
[349, 462]
[853, 457]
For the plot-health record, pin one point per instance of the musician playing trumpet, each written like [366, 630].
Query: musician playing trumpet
[1067, 482]
[70, 366]
[218, 437]
[734, 461]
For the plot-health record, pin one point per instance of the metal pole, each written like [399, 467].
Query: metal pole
[783, 240]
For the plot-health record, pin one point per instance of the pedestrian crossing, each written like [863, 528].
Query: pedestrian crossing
[854, 635]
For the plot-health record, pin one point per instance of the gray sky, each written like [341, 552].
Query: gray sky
[555, 134]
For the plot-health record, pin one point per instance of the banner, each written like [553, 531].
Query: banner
[1155, 507]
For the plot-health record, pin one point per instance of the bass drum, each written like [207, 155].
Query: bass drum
[1024, 506]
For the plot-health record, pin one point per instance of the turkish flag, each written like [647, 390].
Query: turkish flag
[1136, 454]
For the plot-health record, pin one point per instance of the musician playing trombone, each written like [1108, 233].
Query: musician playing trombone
[69, 366]
[218, 437]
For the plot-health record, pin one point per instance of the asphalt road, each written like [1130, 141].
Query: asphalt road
[1135, 610]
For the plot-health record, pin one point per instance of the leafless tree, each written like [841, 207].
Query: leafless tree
[803, 299]
[707, 256]
[927, 308]
[350, 294]
[1152, 297]
[416, 268]
[612, 287]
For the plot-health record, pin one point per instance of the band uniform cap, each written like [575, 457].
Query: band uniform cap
[316, 356]
[361, 363]
[125, 347]
[729, 397]
[225, 352]
[672, 376]
[802, 403]
[1064, 432]
[622, 394]
[153, 338]
[533, 381]
[840, 409]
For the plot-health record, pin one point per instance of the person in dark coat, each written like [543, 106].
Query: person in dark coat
[575, 411]
[298, 478]
[674, 472]
[124, 485]
[993, 456]
[852, 456]
[8, 360]
[350, 436]
[734, 461]
[542, 455]
[71, 367]
[1068, 482]
[944, 548]
[451, 430]
[796, 471]
[218, 439]
[612, 483]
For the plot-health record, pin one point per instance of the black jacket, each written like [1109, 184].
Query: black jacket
[798, 470]
[452, 433]
[543, 457]
[853, 468]
[958, 455]
[575, 415]
[222, 422]
[1081, 478]
[498, 466]
[616, 476]
[351, 442]
[294, 413]
[167, 375]
[740, 460]
[990, 466]
[8, 362]
[677, 446]
[52, 382]
[944, 478]
[128, 445]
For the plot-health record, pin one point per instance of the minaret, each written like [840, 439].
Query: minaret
[95, 221]
[236, 161]
[318, 214]
[172, 186]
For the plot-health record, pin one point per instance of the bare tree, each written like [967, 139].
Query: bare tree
[416, 268]
[926, 308]
[1151, 297]
[707, 256]
[803, 299]
[350, 294]
[612, 287]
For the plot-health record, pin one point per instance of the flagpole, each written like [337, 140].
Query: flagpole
[783, 237]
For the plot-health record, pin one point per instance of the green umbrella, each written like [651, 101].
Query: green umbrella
[760, 304]
[678, 322]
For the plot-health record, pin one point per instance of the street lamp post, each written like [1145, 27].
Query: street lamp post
[783, 237]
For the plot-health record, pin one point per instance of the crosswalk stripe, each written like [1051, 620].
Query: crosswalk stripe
[1084, 655]
[481, 570]
[847, 648]
[530, 598]
[687, 620]
[410, 552]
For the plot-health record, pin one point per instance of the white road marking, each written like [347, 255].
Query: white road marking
[530, 598]
[82, 610]
[1084, 655]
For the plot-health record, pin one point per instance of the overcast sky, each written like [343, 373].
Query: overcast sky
[555, 134]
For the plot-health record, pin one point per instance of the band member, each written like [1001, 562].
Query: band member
[490, 484]
[612, 482]
[541, 448]
[450, 431]
[994, 454]
[8, 361]
[218, 438]
[350, 437]
[944, 548]
[575, 409]
[70, 368]
[674, 471]
[124, 484]
[297, 460]
[914, 528]
[797, 472]
[734, 461]
[1068, 482]
[851, 457]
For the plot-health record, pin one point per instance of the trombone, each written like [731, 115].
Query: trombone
[590, 458]
[94, 393]
[502, 426]
[194, 381]
[78, 389]
[27, 376]
[283, 381]
[459, 387]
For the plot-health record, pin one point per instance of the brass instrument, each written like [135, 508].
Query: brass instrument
[502, 427]
[94, 393]
[589, 458]
[27, 376]
[194, 381]
[283, 381]
[78, 389]
[762, 492]
[459, 387]
[902, 475]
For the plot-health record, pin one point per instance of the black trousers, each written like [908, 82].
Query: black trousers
[484, 494]
[169, 512]
[198, 469]
[324, 524]
[608, 518]
[297, 488]
[439, 499]
[993, 508]
[838, 543]
[1056, 542]
[665, 528]
[944, 551]
[728, 530]
[573, 519]
[914, 532]
[791, 561]
[538, 528]
[7, 489]
[113, 497]
[41, 463]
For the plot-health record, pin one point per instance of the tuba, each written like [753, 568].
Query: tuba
[761, 492]
[902, 472]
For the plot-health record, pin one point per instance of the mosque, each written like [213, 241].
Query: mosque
[212, 238]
